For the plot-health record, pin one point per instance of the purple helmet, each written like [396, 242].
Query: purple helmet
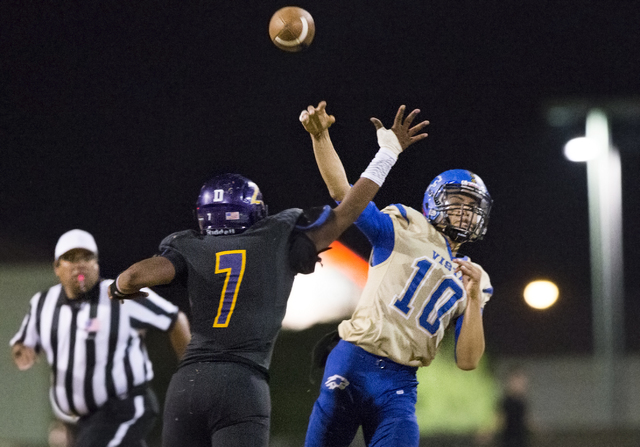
[455, 193]
[229, 204]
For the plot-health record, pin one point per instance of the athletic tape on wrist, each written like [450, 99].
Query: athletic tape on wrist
[389, 140]
[380, 166]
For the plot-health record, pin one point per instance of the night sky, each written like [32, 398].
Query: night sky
[112, 115]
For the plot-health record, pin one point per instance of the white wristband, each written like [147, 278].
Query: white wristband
[380, 166]
[389, 140]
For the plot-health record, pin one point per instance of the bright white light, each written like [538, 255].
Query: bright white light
[324, 296]
[329, 294]
[541, 294]
[581, 149]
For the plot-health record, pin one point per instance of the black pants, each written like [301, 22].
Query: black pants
[119, 422]
[217, 404]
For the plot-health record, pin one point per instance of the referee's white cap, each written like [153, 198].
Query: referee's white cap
[75, 239]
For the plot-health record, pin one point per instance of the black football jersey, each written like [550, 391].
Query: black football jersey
[238, 286]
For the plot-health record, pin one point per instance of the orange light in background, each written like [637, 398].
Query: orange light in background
[343, 258]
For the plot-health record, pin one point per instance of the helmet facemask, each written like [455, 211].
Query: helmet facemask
[461, 212]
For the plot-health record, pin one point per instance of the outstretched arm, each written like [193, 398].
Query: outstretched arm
[151, 272]
[316, 121]
[392, 142]
[146, 273]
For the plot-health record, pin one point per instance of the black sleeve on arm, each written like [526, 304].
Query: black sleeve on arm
[313, 218]
[302, 250]
[302, 253]
[178, 263]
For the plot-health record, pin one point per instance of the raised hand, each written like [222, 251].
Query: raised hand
[316, 120]
[404, 133]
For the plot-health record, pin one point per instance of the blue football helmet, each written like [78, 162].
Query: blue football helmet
[458, 204]
[229, 204]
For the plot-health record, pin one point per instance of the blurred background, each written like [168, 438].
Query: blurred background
[113, 114]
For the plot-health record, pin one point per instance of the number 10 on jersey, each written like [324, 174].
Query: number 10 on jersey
[444, 296]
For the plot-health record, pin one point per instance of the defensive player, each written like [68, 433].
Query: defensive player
[416, 289]
[239, 270]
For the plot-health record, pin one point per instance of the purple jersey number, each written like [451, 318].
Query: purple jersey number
[231, 263]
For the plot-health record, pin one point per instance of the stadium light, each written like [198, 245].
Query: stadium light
[606, 253]
[541, 294]
[582, 149]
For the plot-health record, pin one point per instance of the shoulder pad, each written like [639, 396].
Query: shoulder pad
[398, 210]
[289, 215]
[178, 235]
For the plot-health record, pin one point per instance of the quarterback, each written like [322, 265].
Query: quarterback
[417, 288]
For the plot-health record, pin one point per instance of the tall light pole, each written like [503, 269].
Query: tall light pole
[606, 251]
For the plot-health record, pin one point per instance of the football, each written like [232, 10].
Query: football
[292, 29]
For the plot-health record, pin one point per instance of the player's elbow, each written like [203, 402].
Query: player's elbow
[338, 191]
[337, 195]
[467, 365]
[468, 360]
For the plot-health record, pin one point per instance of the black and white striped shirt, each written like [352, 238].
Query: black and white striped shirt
[95, 346]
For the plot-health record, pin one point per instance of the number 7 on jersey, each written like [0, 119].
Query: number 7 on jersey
[231, 263]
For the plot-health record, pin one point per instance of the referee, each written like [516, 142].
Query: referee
[100, 370]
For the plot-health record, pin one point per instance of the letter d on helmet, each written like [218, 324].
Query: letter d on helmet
[229, 204]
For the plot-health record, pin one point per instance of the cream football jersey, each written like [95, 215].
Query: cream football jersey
[412, 297]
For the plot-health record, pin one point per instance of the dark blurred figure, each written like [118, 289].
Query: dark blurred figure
[514, 427]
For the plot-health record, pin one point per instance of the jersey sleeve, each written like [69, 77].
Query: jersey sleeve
[152, 312]
[487, 288]
[313, 218]
[377, 226]
[168, 250]
[28, 332]
[303, 254]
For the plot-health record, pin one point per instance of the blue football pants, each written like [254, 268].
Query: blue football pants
[362, 389]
